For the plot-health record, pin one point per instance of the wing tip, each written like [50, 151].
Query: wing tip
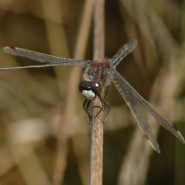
[178, 134]
[7, 49]
[180, 137]
[155, 147]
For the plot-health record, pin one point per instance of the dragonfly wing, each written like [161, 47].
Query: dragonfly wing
[162, 120]
[133, 99]
[134, 105]
[40, 57]
[123, 52]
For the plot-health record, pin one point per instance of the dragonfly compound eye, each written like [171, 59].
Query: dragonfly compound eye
[95, 86]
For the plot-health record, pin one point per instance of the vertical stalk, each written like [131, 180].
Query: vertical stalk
[96, 145]
[99, 29]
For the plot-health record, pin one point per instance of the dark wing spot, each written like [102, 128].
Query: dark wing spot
[146, 137]
[12, 47]
[175, 128]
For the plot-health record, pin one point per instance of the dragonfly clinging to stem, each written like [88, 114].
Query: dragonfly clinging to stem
[99, 74]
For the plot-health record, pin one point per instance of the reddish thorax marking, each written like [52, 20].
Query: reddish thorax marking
[96, 64]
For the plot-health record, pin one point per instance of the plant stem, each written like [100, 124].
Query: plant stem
[96, 146]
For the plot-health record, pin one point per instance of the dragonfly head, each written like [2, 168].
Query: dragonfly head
[89, 89]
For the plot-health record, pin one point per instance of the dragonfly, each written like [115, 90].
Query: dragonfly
[97, 75]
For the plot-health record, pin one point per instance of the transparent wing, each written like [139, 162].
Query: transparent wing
[40, 57]
[123, 52]
[135, 102]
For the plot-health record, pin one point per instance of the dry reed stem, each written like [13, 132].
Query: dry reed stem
[96, 146]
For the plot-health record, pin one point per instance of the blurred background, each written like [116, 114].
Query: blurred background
[44, 131]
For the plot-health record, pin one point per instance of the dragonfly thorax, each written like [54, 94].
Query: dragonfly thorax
[97, 72]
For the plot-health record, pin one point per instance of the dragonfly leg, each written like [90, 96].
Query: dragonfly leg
[101, 108]
[108, 111]
[86, 105]
[107, 89]
[103, 102]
